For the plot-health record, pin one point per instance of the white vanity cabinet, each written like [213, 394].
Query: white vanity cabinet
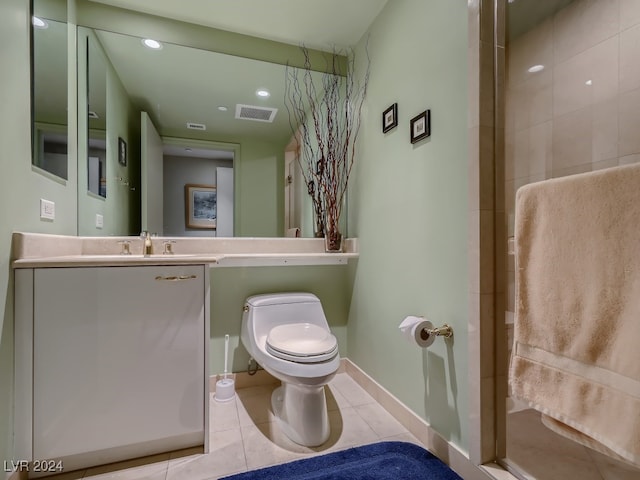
[110, 362]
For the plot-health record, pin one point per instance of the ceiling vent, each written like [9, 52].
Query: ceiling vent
[257, 114]
[196, 126]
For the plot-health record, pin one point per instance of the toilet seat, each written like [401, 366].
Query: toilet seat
[302, 343]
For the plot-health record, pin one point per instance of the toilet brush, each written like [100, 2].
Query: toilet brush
[225, 387]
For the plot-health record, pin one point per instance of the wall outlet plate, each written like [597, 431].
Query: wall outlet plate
[99, 221]
[47, 209]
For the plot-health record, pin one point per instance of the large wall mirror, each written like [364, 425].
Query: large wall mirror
[153, 120]
[49, 43]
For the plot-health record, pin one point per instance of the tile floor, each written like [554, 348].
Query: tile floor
[244, 437]
[540, 453]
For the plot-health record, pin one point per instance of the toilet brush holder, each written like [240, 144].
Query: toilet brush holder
[225, 389]
[225, 386]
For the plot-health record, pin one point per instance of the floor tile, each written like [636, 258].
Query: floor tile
[226, 456]
[223, 415]
[348, 429]
[403, 437]
[244, 435]
[264, 446]
[380, 421]
[540, 453]
[74, 475]
[335, 399]
[352, 392]
[612, 469]
[254, 407]
[147, 468]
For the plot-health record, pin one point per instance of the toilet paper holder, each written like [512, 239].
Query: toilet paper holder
[443, 331]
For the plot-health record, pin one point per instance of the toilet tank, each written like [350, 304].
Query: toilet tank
[270, 310]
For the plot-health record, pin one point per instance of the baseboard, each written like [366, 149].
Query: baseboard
[419, 428]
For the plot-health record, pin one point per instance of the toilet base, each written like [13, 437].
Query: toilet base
[301, 412]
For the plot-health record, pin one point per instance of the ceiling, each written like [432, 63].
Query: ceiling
[319, 24]
[190, 84]
[523, 15]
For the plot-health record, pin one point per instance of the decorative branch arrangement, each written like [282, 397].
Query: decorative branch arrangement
[325, 120]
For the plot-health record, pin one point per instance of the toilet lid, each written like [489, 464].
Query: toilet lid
[301, 342]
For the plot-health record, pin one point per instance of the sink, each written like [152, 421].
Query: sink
[155, 256]
[161, 256]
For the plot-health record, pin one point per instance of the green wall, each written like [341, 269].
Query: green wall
[21, 186]
[230, 286]
[408, 206]
[260, 204]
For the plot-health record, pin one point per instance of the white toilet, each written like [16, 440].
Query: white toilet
[288, 335]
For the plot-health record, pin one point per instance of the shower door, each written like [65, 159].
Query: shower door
[572, 105]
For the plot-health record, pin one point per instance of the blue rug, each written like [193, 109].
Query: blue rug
[379, 461]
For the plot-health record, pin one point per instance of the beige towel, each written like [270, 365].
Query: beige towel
[576, 355]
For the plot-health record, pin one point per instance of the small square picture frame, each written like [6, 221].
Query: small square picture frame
[122, 152]
[421, 126]
[390, 118]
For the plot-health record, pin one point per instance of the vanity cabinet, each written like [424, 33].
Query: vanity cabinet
[110, 362]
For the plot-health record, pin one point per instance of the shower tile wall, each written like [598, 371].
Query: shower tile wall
[582, 111]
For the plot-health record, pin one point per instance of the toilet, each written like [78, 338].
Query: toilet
[288, 335]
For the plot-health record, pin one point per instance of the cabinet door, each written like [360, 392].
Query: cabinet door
[118, 357]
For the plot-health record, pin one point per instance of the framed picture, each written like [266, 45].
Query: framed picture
[390, 118]
[122, 152]
[421, 126]
[201, 204]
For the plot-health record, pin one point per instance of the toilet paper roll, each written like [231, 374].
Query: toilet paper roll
[413, 328]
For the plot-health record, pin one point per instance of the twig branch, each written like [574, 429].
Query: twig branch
[325, 120]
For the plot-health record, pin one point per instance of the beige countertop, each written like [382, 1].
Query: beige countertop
[32, 250]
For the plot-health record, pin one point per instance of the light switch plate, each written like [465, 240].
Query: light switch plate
[99, 221]
[47, 209]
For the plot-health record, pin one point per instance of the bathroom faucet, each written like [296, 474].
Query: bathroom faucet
[146, 243]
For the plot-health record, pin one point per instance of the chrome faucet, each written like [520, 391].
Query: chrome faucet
[146, 243]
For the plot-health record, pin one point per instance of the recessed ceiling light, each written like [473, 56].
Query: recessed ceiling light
[39, 23]
[222, 108]
[152, 44]
[262, 92]
[536, 68]
[588, 82]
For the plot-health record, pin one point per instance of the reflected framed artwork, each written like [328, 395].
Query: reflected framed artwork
[122, 152]
[421, 126]
[390, 118]
[201, 206]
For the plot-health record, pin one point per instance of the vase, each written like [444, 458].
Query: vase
[333, 242]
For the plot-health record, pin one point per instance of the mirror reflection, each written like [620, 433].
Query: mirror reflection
[50, 95]
[97, 115]
[183, 116]
[204, 119]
